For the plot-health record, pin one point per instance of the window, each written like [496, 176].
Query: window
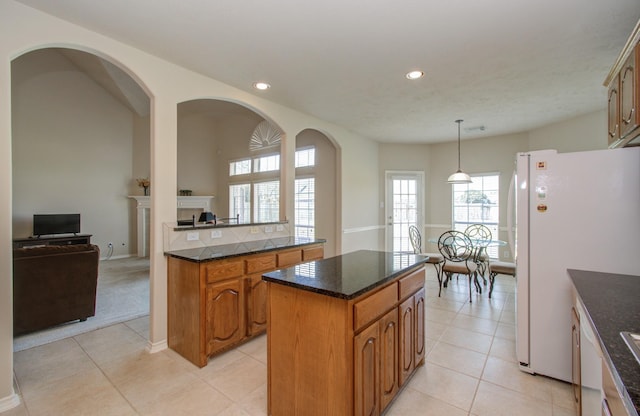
[305, 193]
[267, 201]
[266, 163]
[305, 207]
[305, 157]
[240, 202]
[240, 167]
[251, 200]
[477, 203]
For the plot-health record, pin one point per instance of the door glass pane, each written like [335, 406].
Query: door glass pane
[405, 211]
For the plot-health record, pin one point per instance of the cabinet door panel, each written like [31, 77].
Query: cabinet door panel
[225, 314]
[256, 305]
[614, 111]
[388, 358]
[406, 327]
[628, 101]
[419, 340]
[367, 373]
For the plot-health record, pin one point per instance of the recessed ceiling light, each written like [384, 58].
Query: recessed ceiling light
[261, 86]
[414, 75]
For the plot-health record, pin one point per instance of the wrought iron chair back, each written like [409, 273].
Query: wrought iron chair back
[455, 246]
[480, 233]
[457, 250]
[416, 239]
[481, 237]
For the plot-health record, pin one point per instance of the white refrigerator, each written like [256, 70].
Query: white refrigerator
[573, 211]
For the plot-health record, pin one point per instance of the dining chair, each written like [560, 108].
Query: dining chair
[500, 267]
[434, 258]
[457, 250]
[480, 236]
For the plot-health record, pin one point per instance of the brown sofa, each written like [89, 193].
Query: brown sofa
[53, 285]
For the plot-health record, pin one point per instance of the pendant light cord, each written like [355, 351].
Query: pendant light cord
[459, 122]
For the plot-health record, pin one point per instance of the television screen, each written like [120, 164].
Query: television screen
[47, 224]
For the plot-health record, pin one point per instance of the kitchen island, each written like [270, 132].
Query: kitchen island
[344, 334]
[216, 296]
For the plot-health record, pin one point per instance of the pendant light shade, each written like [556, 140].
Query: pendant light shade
[459, 176]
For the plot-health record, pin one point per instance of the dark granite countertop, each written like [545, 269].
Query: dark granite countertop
[208, 253]
[349, 275]
[612, 302]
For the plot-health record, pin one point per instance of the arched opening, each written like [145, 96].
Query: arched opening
[317, 193]
[80, 138]
[221, 153]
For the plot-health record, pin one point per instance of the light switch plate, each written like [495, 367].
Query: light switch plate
[193, 236]
[279, 227]
[216, 234]
[268, 229]
[254, 230]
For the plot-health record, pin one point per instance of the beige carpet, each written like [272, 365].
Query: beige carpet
[122, 294]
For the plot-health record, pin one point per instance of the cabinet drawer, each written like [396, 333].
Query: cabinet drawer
[261, 263]
[374, 306]
[412, 283]
[289, 258]
[224, 269]
[312, 253]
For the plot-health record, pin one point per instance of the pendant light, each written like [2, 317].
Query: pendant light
[459, 176]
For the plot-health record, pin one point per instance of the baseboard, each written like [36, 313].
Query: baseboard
[153, 347]
[9, 402]
[122, 256]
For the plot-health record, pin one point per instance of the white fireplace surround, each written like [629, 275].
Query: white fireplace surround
[144, 204]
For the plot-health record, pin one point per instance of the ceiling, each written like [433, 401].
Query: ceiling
[507, 65]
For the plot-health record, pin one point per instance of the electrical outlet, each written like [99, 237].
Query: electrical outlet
[193, 236]
[279, 227]
[268, 229]
[254, 230]
[506, 253]
[216, 234]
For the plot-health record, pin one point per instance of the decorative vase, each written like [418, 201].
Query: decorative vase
[146, 190]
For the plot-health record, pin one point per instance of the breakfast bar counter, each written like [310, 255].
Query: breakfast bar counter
[344, 334]
[216, 296]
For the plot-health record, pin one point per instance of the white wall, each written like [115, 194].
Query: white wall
[25, 29]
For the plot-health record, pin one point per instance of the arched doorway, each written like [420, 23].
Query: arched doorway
[80, 137]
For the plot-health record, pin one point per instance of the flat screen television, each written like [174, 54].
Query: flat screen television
[47, 224]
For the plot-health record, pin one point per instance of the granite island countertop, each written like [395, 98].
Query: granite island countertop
[208, 253]
[612, 302]
[349, 275]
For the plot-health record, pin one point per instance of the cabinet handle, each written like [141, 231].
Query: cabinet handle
[628, 120]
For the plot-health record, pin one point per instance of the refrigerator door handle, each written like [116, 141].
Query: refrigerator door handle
[510, 215]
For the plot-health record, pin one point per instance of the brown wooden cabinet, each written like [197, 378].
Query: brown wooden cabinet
[225, 321]
[613, 106]
[623, 83]
[628, 94]
[256, 305]
[333, 356]
[215, 305]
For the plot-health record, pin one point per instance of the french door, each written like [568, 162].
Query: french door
[404, 207]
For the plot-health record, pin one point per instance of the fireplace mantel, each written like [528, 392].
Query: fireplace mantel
[144, 204]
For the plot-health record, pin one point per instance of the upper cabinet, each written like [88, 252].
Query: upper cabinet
[623, 83]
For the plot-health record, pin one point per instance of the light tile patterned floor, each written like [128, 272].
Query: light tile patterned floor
[470, 369]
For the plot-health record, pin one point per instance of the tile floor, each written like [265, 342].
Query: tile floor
[470, 369]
